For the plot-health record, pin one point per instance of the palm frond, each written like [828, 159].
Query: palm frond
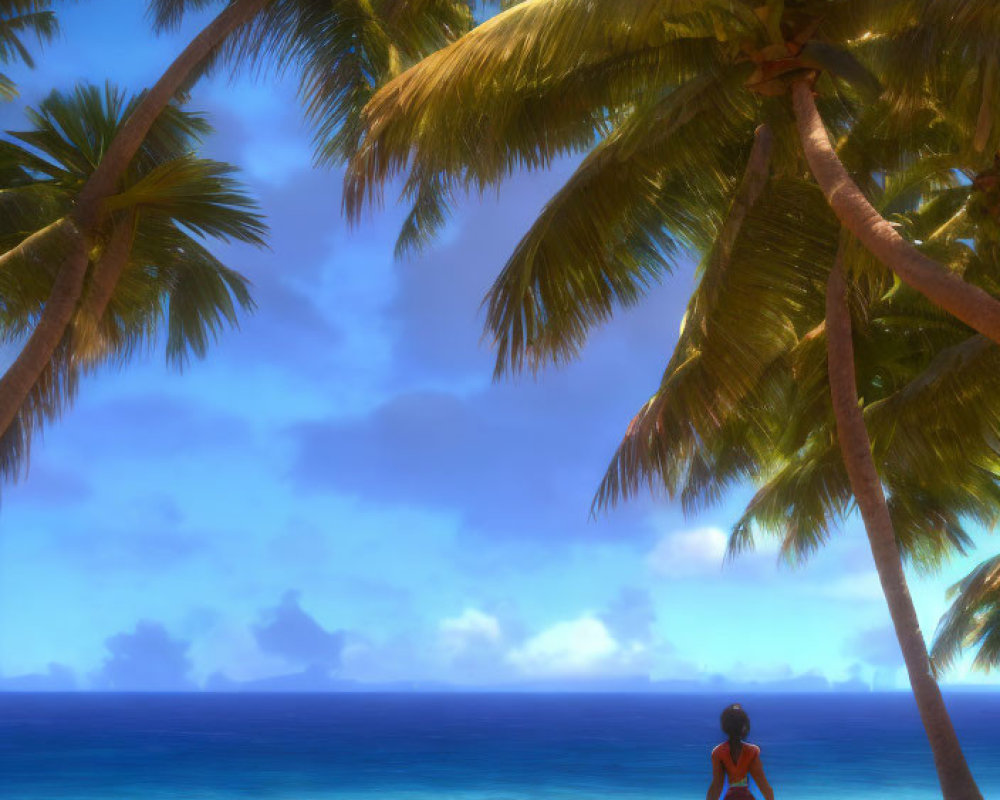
[167, 14]
[648, 193]
[50, 395]
[972, 621]
[200, 194]
[430, 198]
[342, 50]
[736, 354]
[799, 504]
[27, 274]
[17, 19]
[533, 82]
[71, 131]
[204, 296]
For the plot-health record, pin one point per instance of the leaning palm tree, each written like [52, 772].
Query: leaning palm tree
[669, 97]
[747, 395]
[342, 52]
[152, 245]
[18, 19]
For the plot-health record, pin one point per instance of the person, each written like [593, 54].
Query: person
[735, 759]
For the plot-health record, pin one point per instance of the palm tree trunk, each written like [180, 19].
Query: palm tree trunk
[104, 279]
[755, 176]
[16, 383]
[127, 141]
[975, 307]
[953, 772]
[30, 363]
[33, 246]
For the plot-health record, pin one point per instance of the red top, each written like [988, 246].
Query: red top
[736, 770]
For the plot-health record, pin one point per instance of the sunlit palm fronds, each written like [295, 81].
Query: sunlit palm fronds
[648, 194]
[342, 51]
[735, 349]
[533, 82]
[973, 620]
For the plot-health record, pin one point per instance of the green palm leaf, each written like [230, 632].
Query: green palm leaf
[973, 621]
[648, 193]
[168, 200]
[19, 18]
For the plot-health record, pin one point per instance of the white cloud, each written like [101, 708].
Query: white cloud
[471, 628]
[582, 646]
[688, 553]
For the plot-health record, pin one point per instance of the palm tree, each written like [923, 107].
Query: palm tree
[866, 486]
[17, 18]
[342, 54]
[658, 92]
[151, 243]
[747, 396]
[558, 75]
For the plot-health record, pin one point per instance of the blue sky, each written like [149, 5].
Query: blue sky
[340, 492]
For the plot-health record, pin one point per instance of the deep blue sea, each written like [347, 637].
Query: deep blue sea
[470, 747]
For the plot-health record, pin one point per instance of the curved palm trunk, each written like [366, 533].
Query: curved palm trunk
[751, 186]
[30, 363]
[32, 245]
[109, 267]
[16, 383]
[975, 307]
[127, 141]
[953, 772]
[107, 271]
[755, 176]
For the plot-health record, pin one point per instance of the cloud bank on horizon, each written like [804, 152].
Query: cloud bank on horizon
[340, 497]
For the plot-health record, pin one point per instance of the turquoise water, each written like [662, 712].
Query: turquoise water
[469, 747]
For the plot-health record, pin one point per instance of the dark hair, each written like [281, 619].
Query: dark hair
[735, 723]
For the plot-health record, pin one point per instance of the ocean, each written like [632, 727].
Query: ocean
[470, 746]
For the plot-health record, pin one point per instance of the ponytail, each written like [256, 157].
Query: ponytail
[735, 724]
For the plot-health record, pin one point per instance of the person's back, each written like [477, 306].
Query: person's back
[736, 759]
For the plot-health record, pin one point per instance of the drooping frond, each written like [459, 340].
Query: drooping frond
[167, 14]
[935, 446]
[199, 192]
[799, 504]
[973, 620]
[343, 62]
[194, 293]
[429, 198]
[656, 188]
[735, 352]
[19, 18]
[535, 81]
[50, 395]
[930, 520]
[342, 51]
